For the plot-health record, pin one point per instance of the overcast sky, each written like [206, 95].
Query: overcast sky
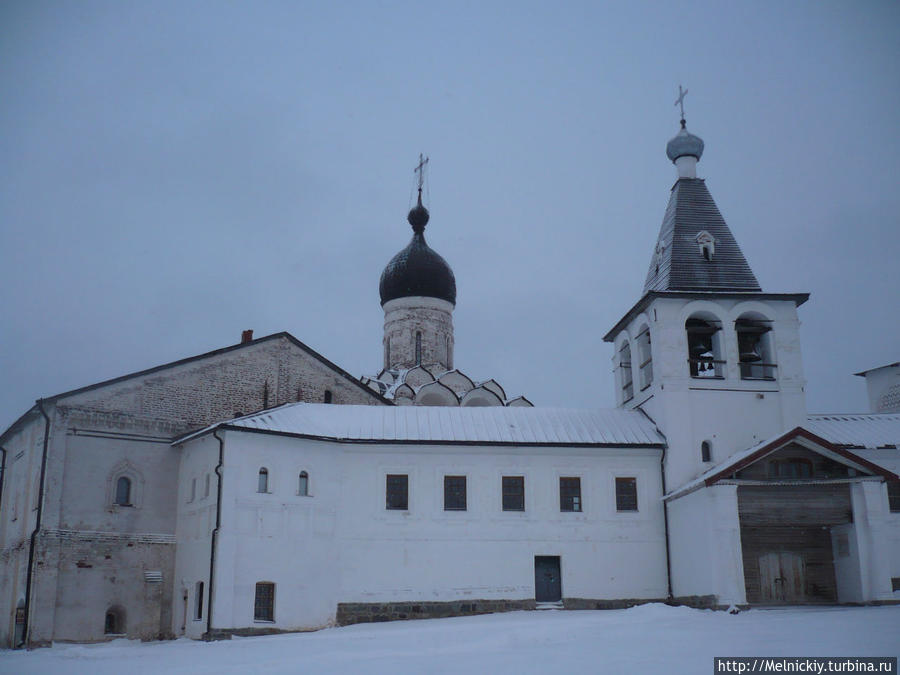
[172, 173]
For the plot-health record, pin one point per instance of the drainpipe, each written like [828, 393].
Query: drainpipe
[29, 579]
[214, 540]
[662, 476]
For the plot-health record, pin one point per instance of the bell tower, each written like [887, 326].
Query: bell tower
[708, 355]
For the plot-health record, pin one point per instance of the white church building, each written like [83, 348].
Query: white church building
[261, 488]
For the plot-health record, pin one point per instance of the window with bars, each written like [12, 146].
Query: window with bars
[397, 492]
[513, 493]
[626, 494]
[570, 493]
[264, 603]
[454, 493]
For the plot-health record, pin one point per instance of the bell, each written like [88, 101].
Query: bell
[700, 347]
[750, 352]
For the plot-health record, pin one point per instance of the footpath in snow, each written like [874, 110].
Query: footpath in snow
[646, 639]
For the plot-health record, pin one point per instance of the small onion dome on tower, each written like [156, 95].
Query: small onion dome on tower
[685, 151]
[685, 144]
[417, 270]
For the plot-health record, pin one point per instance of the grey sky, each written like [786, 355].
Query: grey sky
[173, 173]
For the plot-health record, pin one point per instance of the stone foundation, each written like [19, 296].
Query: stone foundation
[366, 612]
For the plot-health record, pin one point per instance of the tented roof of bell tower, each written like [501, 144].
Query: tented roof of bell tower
[684, 260]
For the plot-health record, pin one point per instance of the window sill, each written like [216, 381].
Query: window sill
[708, 377]
[263, 620]
[759, 379]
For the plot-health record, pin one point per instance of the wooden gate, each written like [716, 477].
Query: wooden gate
[782, 577]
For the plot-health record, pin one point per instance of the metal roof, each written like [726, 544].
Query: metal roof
[678, 264]
[466, 425]
[876, 430]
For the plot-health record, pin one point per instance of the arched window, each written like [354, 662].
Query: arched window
[754, 339]
[123, 491]
[328, 396]
[704, 347]
[644, 358]
[114, 623]
[303, 486]
[706, 451]
[625, 377]
[418, 348]
[262, 485]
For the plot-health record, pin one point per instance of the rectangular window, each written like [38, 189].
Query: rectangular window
[206, 487]
[193, 489]
[570, 494]
[626, 494]
[513, 493]
[264, 604]
[895, 584]
[893, 490]
[454, 493]
[198, 601]
[397, 492]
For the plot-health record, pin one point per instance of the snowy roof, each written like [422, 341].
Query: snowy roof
[876, 430]
[743, 458]
[438, 424]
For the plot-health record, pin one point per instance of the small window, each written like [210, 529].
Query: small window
[626, 494]
[262, 485]
[570, 494]
[193, 489]
[206, 486]
[454, 493]
[114, 624]
[706, 451]
[328, 396]
[418, 349]
[790, 469]
[625, 377]
[513, 493]
[264, 603]
[893, 490]
[303, 485]
[198, 601]
[895, 584]
[123, 491]
[397, 492]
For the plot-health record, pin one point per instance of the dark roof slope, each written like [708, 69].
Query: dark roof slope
[678, 263]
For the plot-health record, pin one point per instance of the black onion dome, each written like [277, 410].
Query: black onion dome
[417, 269]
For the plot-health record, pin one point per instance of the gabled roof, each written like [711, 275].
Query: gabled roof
[863, 373]
[678, 263]
[498, 425]
[216, 352]
[804, 437]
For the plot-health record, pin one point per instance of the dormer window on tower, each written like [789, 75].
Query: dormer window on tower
[704, 347]
[707, 244]
[754, 340]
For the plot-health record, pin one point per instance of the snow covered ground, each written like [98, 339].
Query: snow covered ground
[646, 639]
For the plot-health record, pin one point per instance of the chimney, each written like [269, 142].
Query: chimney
[247, 336]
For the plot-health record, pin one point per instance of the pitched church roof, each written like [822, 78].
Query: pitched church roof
[442, 425]
[678, 263]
